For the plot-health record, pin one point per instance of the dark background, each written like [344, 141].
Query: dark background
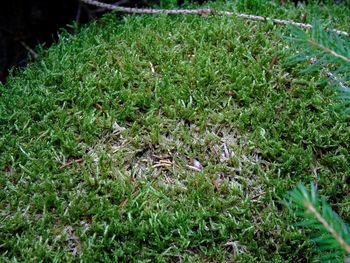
[26, 23]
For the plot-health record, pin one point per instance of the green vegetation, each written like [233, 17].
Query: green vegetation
[332, 237]
[329, 53]
[96, 139]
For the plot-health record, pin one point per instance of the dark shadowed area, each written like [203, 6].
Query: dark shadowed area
[26, 24]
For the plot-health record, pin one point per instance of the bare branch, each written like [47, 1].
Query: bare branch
[205, 11]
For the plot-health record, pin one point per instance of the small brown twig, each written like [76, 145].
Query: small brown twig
[71, 162]
[163, 163]
[124, 202]
[216, 185]
[98, 106]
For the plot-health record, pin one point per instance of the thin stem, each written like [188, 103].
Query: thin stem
[30, 50]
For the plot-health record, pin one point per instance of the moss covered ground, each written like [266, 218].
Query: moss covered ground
[102, 136]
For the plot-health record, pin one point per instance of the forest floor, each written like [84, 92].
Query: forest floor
[169, 138]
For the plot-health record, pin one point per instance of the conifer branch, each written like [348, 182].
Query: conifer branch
[325, 49]
[332, 233]
[331, 76]
[311, 209]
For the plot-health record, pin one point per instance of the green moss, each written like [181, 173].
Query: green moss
[84, 127]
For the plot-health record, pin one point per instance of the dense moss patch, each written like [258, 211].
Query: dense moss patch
[99, 135]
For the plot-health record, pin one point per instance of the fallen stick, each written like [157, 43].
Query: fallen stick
[71, 162]
[132, 10]
[204, 11]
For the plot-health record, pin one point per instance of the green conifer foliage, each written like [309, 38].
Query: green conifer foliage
[328, 52]
[332, 234]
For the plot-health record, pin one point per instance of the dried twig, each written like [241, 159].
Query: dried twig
[216, 185]
[278, 21]
[163, 163]
[132, 10]
[194, 168]
[204, 11]
[124, 202]
[30, 50]
[71, 162]
[118, 3]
